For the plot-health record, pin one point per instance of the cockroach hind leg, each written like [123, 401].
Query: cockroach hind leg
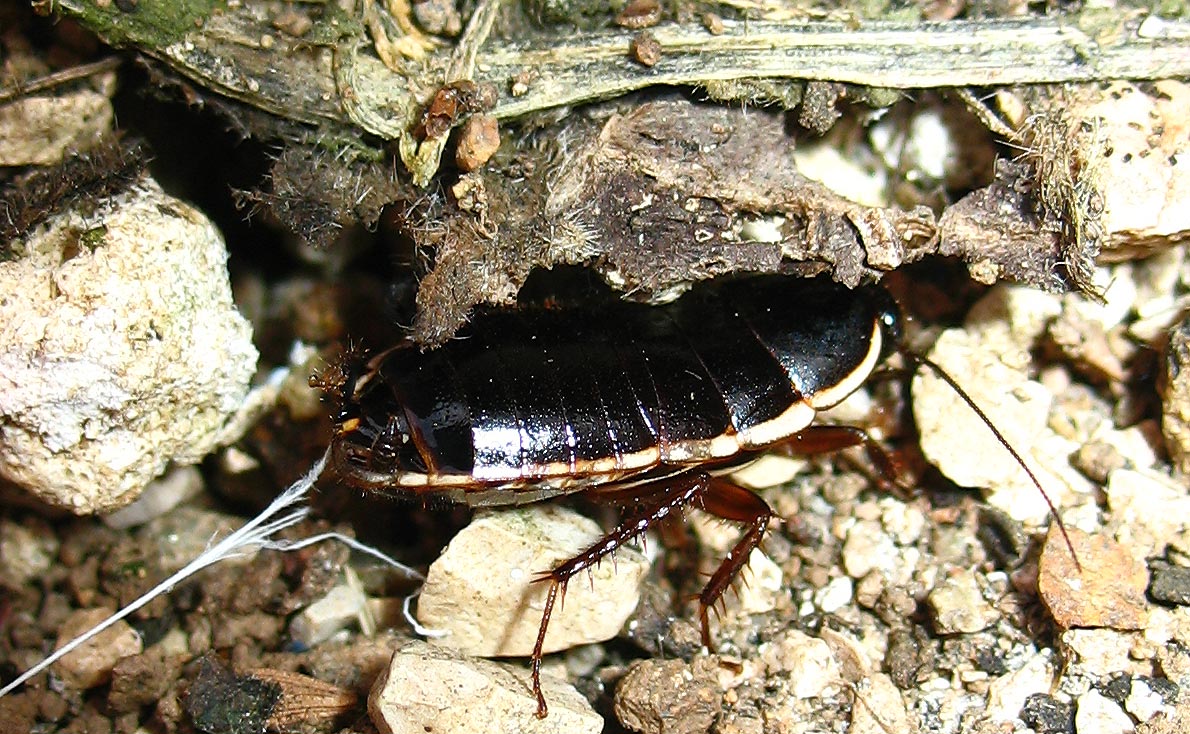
[539, 646]
[659, 498]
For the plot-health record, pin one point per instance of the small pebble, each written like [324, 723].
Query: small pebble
[910, 657]
[639, 14]
[1047, 715]
[1143, 702]
[761, 584]
[959, 606]
[438, 16]
[479, 139]
[868, 548]
[317, 623]
[1010, 693]
[1150, 508]
[27, 550]
[426, 688]
[182, 535]
[294, 23]
[140, 680]
[1097, 714]
[883, 708]
[1176, 399]
[1170, 584]
[1096, 653]
[835, 595]
[645, 48]
[807, 661]
[161, 495]
[91, 664]
[670, 696]
[713, 24]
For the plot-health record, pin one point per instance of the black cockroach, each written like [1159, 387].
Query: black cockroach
[646, 407]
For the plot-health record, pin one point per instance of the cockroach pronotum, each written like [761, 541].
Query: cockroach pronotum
[645, 407]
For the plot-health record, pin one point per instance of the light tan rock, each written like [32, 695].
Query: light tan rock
[480, 591]
[91, 663]
[429, 688]
[120, 350]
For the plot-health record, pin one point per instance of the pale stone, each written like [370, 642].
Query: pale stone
[341, 606]
[1097, 714]
[427, 688]
[481, 590]
[121, 350]
[808, 662]
[959, 606]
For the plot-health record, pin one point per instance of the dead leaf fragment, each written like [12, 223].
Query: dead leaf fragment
[1107, 591]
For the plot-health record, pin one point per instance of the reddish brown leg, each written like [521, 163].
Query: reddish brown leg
[657, 500]
[829, 439]
[729, 502]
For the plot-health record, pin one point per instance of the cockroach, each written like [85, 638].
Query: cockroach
[645, 407]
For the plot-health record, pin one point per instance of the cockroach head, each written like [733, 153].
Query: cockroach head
[338, 381]
[891, 321]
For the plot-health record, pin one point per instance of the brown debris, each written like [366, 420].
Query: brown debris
[317, 196]
[670, 696]
[1066, 159]
[999, 231]
[304, 699]
[645, 49]
[639, 14]
[1106, 588]
[222, 702]
[293, 21]
[479, 138]
[451, 104]
[89, 179]
[694, 178]
[818, 111]
[713, 24]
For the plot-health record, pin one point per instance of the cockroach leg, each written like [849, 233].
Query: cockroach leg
[655, 501]
[736, 504]
[832, 439]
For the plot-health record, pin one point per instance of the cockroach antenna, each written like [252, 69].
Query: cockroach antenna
[954, 385]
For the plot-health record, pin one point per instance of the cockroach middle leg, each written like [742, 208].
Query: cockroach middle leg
[832, 439]
[654, 502]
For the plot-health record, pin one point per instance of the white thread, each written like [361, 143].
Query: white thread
[254, 532]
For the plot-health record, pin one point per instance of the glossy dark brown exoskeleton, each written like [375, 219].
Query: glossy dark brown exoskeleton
[645, 407]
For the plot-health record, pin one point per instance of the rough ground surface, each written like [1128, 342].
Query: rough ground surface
[938, 609]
